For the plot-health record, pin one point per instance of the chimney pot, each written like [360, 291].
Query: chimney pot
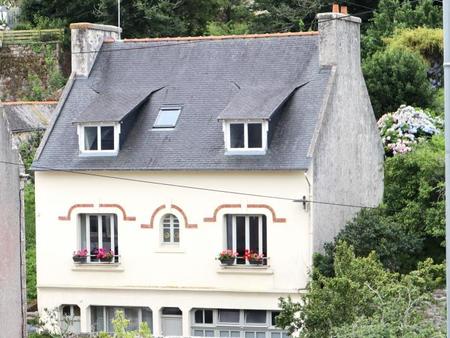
[335, 8]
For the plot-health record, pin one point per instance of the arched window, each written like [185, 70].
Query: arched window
[170, 229]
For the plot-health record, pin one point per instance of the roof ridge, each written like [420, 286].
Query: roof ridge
[220, 37]
[12, 103]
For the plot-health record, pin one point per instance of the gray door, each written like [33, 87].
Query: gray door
[172, 325]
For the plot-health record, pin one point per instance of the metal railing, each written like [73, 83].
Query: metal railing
[14, 37]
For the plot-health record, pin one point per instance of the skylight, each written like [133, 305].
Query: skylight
[167, 117]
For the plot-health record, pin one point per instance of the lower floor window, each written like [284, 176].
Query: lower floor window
[70, 318]
[236, 324]
[102, 317]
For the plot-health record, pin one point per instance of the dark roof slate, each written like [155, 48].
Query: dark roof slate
[202, 77]
[28, 116]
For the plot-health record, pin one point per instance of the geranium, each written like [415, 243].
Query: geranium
[401, 130]
[104, 254]
[252, 256]
[80, 253]
[227, 254]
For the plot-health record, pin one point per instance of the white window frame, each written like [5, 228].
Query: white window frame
[247, 233]
[100, 233]
[99, 151]
[245, 150]
[172, 230]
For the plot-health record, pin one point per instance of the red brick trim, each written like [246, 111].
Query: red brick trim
[69, 212]
[216, 211]
[152, 219]
[187, 225]
[118, 206]
[268, 207]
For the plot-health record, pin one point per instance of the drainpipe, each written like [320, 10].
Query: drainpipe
[446, 12]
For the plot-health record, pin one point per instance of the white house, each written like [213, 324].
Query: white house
[168, 151]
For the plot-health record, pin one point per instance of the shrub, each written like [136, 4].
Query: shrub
[395, 77]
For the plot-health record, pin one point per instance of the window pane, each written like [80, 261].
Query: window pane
[274, 317]
[132, 315]
[284, 335]
[83, 232]
[209, 333]
[97, 318]
[107, 137]
[240, 238]
[208, 316]
[66, 310]
[176, 235]
[76, 311]
[275, 335]
[260, 335]
[264, 237]
[249, 335]
[147, 317]
[254, 233]
[166, 235]
[235, 334]
[93, 233]
[106, 232]
[237, 135]
[224, 334]
[116, 237]
[110, 315]
[198, 333]
[90, 138]
[229, 219]
[167, 118]
[229, 316]
[199, 316]
[255, 135]
[171, 311]
[255, 316]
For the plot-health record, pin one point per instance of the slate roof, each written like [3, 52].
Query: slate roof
[28, 116]
[203, 76]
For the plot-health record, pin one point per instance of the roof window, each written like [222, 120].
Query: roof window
[245, 137]
[98, 140]
[167, 117]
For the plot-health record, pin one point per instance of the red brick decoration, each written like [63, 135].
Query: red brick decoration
[268, 207]
[216, 211]
[176, 207]
[118, 206]
[152, 219]
[69, 212]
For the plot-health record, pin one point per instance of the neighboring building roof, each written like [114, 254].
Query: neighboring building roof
[26, 116]
[203, 76]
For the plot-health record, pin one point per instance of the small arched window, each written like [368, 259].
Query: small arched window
[170, 229]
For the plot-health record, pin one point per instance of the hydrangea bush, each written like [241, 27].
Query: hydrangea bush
[401, 130]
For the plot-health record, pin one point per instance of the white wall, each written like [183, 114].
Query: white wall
[149, 270]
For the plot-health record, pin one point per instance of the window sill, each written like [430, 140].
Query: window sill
[245, 269]
[114, 267]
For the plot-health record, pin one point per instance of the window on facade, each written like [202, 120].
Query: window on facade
[167, 117]
[235, 324]
[70, 318]
[274, 316]
[102, 316]
[99, 231]
[246, 136]
[246, 232]
[170, 229]
[98, 138]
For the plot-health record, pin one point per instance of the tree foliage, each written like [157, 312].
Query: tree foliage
[395, 77]
[365, 294]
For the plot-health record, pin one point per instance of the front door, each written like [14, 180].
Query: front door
[172, 325]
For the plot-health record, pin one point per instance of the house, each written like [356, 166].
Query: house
[170, 150]
[12, 234]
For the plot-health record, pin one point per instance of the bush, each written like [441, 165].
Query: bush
[395, 77]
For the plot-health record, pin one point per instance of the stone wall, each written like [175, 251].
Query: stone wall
[12, 281]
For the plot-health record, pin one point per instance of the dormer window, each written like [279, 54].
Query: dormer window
[98, 139]
[245, 137]
[167, 117]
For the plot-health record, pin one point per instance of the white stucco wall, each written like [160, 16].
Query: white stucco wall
[151, 275]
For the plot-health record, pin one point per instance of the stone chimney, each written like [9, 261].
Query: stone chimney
[87, 39]
[340, 39]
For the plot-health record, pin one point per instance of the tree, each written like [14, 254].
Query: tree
[363, 292]
[398, 14]
[232, 18]
[158, 18]
[395, 77]
[284, 16]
